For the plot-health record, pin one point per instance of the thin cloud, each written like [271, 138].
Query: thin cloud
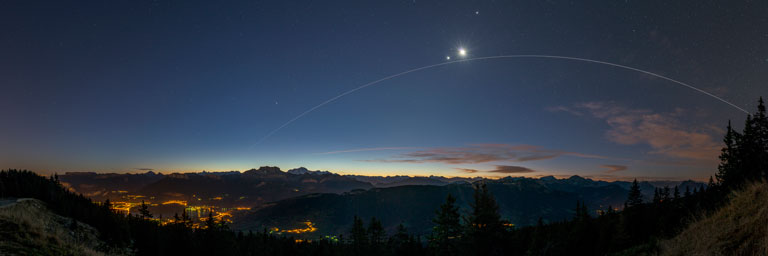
[610, 177]
[537, 157]
[467, 170]
[365, 149]
[482, 153]
[511, 169]
[565, 109]
[144, 169]
[614, 168]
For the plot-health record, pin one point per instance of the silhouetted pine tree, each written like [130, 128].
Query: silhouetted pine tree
[664, 194]
[144, 211]
[635, 196]
[358, 235]
[185, 219]
[581, 213]
[447, 229]
[729, 165]
[761, 124]
[656, 196]
[745, 155]
[210, 223]
[677, 193]
[400, 238]
[485, 228]
[376, 235]
[107, 204]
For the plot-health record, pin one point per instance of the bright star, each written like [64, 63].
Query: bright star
[462, 52]
[447, 57]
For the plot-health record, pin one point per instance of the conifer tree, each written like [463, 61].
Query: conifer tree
[185, 219]
[485, 226]
[577, 211]
[750, 152]
[144, 211]
[581, 212]
[401, 234]
[358, 234]
[376, 232]
[745, 156]
[400, 242]
[210, 223]
[485, 212]
[761, 124]
[447, 227]
[656, 196]
[664, 193]
[677, 193]
[107, 204]
[447, 220]
[635, 196]
[728, 167]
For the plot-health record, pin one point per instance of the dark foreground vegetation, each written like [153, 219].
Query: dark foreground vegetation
[636, 229]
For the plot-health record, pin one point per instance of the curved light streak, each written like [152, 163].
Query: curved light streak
[488, 58]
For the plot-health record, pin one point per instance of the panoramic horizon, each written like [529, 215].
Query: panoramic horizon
[498, 176]
[383, 128]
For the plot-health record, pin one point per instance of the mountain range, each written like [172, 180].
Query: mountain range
[289, 199]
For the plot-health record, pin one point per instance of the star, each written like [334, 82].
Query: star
[447, 57]
[477, 12]
[462, 52]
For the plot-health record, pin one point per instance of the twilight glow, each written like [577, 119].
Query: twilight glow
[190, 89]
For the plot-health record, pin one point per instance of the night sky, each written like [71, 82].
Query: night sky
[130, 86]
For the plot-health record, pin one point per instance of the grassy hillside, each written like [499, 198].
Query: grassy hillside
[27, 227]
[739, 228]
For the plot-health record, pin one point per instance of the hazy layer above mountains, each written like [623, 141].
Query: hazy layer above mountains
[101, 184]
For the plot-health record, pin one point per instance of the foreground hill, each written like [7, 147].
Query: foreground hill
[739, 228]
[27, 227]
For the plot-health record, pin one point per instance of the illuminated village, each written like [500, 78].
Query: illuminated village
[197, 209]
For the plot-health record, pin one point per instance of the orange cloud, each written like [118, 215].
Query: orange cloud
[511, 169]
[467, 170]
[482, 153]
[614, 168]
[663, 132]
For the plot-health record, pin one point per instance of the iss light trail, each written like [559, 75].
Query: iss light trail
[463, 53]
